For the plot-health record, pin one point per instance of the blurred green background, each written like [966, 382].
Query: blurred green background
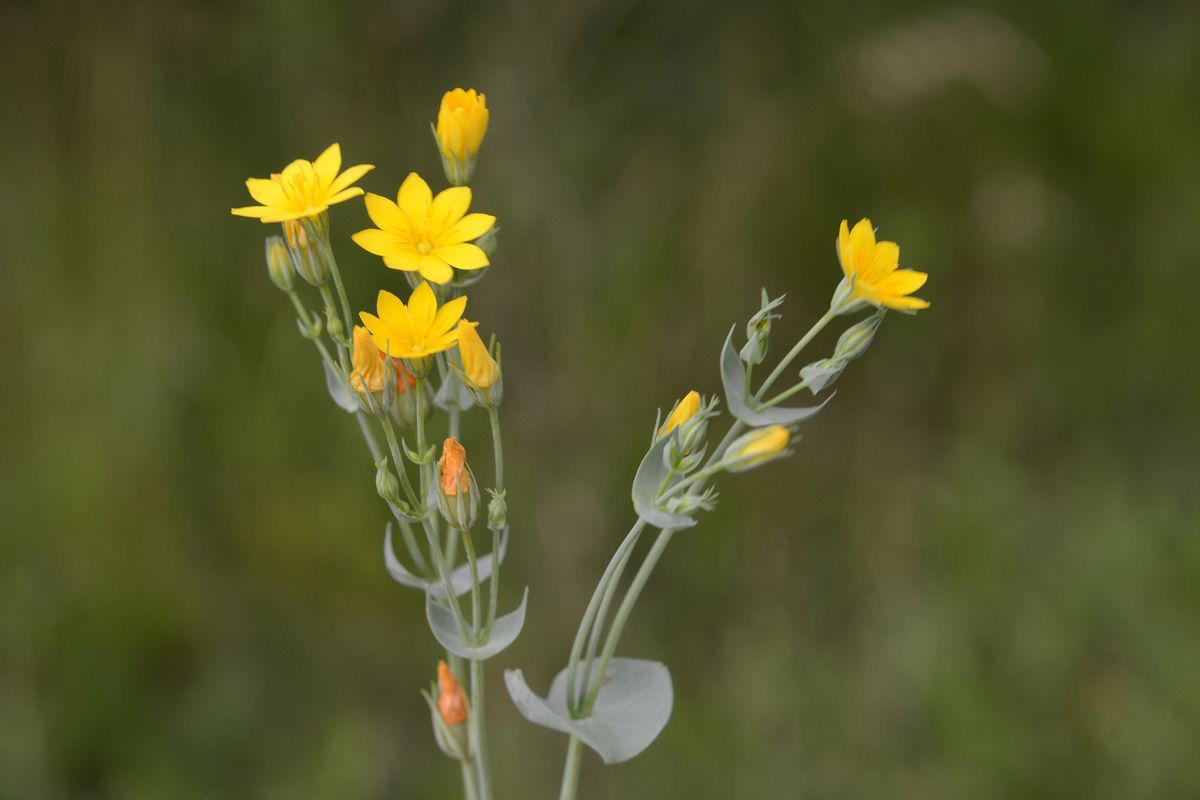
[979, 577]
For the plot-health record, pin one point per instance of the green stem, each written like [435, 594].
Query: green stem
[470, 792]
[593, 605]
[494, 586]
[410, 542]
[478, 732]
[610, 591]
[795, 351]
[627, 604]
[570, 781]
[368, 436]
[469, 548]
[784, 395]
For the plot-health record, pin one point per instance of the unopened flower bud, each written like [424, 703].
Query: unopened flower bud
[374, 372]
[756, 447]
[452, 703]
[279, 265]
[386, 483]
[858, 337]
[458, 499]
[449, 710]
[306, 253]
[497, 510]
[481, 372]
[461, 125]
[684, 410]
[758, 330]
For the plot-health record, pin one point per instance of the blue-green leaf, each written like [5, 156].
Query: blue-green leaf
[733, 377]
[446, 631]
[647, 484]
[460, 577]
[341, 393]
[631, 710]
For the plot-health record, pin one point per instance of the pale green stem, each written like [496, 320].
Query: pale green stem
[570, 781]
[494, 587]
[478, 732]
[469, 548]
[468, 779]
[368, 436]
[795, 351]
[410, 542]
[593, 605]
[610, 591]
[627, 604]
[784, 395]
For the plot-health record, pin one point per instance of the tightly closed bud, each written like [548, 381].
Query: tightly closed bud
[461, 125]
[756, 447]
[858, 337]
[386, 483]
[478, 365]
[458, 499]
[684, 410]
[451, 702]
[279, 265]
[497, 510]
[308, 259]
[370, 370]
[404, 409]
[758, 330]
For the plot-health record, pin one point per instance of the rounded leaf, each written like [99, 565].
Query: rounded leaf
[446, 631]
[631, 710]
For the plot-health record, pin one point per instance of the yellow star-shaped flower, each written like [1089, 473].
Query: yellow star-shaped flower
[872, 269]
[304, 188]
[418, 329]
[426, 234]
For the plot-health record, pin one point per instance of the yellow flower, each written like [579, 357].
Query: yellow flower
[755, 447]
[684, 410]
[451, 703]
[423, 233]
[370, 369]
[415, 330]
[872, 269]
[478, 365]
[461, 125]
[304, 188]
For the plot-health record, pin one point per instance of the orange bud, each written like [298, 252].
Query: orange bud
[453, 465]
[452, 704]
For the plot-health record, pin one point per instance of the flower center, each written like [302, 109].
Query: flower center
[424, 248]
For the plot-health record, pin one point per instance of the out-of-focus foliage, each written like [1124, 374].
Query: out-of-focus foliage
[977, 577]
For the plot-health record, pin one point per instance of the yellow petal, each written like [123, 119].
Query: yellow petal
[277, 215]
[289, 173]
[389, 306]
[415, 197]
[434, 269]
[906, 303]
[266, 191]
[376, 242]
[470, 227]
[384, 213]
[404, 258]
[462, 256]
[345, 194]
[250, 211]
[902, 281]
[885, 260]
[447, 316]
[448, 208]
[861, 245]
[422, 305]
[351, 175]
[843, 248]
[328, 164]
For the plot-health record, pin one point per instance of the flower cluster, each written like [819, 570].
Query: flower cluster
[415, 366]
